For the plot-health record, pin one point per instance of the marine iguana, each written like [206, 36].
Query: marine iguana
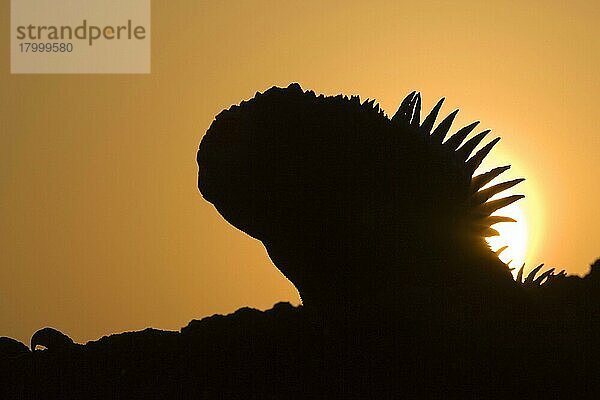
[351, 204]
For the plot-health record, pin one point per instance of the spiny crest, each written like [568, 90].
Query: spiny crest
[480, 205]
[532, 282]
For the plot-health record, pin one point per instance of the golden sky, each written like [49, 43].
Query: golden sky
[103, 229]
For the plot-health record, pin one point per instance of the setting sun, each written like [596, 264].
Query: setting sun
[512, 234]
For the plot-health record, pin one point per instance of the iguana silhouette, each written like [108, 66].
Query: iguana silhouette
[352, 205]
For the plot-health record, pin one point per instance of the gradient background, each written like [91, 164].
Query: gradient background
[102, 227]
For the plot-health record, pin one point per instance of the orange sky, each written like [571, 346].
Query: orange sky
[103, 229]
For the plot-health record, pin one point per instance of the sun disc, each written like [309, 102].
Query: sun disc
[512, 234]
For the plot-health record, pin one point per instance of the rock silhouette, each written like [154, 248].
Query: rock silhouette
[11, 348]
[381, 225]
[51, 338]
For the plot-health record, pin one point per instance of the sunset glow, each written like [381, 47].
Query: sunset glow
[103, 229]
[512, 234]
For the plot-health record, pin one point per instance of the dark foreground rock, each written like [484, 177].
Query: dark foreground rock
[540, 344]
